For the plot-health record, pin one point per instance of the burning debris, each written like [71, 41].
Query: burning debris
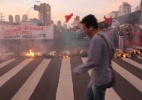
[52, 54]
[31, 53]
[128, 53]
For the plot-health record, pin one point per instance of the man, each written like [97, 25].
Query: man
[121, 38]
[98, 60]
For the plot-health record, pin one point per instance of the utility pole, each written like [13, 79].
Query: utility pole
[141, 8]
[1, 17]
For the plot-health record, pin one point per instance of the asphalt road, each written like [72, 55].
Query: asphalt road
[52, 79]
[45, 78]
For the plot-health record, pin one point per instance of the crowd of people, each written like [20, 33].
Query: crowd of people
[126, 36]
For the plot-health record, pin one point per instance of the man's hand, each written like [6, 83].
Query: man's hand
[76, 70]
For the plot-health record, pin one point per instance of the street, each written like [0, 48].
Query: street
[52, 79]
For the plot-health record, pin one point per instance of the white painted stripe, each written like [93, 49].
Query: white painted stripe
[140, 57]
[68, 52]
[13, 72]
[27, 89]
[136, 82]
[51, 53]
[133, 63]
[6, 62]
[138, 47]
[65, 85]
[110, 93]
[9, 53]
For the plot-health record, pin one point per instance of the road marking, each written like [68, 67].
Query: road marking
[65, 85]
[51, 53]
[133, 63]
[13, 72]
[6, 62]
[67, 52]
[27, 89]
[110, 93]
[140, 57]
[136, 82]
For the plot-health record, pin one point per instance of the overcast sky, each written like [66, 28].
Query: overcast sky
[60, 8]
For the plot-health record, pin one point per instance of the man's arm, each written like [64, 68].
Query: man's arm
[94, 56]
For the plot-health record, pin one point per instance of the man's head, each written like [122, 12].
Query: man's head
[89, 25]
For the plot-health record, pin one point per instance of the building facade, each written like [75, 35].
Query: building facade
[59, 24]
[17, 18]
[25, 18]
[114, 14]
[44, 13]
[11, 19]
[125, 8]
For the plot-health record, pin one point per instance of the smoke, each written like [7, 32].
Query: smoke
[3, 48]
[37, 45]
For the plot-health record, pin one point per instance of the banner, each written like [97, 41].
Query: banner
[114, 23]
[26, 32]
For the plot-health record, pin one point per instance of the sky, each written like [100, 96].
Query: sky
[60, 8]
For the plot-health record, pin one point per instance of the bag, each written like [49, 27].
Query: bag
[113, 81]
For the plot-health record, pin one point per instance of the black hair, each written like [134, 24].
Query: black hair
[90, 20]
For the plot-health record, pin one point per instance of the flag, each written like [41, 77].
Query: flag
[114, 23]
[108, 20]
[68, 17]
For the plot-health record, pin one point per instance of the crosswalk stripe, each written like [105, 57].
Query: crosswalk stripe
[27, 89]
[68, 52]
[6, 62]
[133, 63]
[8, 54]
[51, 53]
[110, 93]
[140, 57]
[65, 85]
[13, 72]
[136, 82]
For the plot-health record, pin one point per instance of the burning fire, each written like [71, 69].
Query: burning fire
[30, 53]
[129, 54]
[66, 57]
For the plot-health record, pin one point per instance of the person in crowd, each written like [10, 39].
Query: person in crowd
[121, 38]
[130, 36]
[113, 33]
[98, 60]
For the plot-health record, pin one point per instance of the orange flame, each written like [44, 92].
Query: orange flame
[30, 53]
[66, 57]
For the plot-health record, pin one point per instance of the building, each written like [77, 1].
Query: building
[17, 19]
[44, 13]
[65, 26]
[125, 8]
[114, 14]
[10, 18]
[59, 23]
[77, 18]
[36, 21]
[24, 18]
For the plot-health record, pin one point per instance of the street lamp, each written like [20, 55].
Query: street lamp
[28, 12]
